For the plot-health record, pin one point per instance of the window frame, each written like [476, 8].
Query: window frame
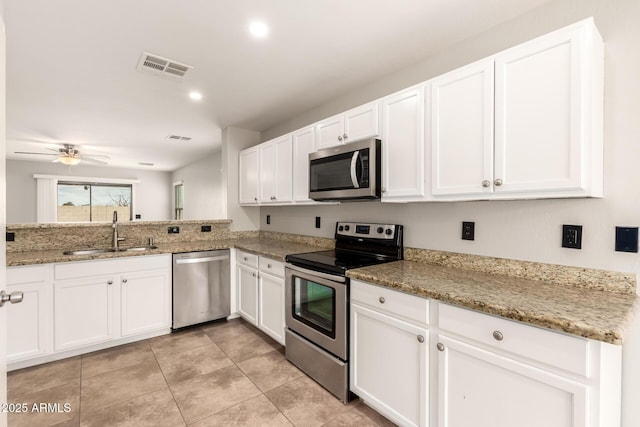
[91, 205]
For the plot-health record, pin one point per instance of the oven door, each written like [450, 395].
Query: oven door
[316, 308]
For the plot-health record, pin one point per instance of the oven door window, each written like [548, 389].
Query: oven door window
[315, 306]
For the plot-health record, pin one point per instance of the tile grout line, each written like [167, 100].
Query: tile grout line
[167, 382]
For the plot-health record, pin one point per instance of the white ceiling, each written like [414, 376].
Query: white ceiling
[71, 66]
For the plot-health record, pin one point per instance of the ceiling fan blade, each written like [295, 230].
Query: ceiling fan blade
[94, 161]
[38, 154]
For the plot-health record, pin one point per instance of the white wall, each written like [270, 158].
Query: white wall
[204, 197]
[235, 140]
[152, 194]
[527, 230]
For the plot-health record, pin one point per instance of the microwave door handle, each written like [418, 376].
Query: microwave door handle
[354, 175]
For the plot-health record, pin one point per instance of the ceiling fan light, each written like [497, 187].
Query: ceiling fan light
[68, 160]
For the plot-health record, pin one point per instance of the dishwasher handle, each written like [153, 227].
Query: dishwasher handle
[204, 259]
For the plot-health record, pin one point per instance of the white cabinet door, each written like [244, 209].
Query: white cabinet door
[543, 114]
[145, 302]
[329, 132]
[267, 168]
[248, 293]
[303, 145]
[361, 122]
[462, 131]
[28, 323]
[84, 311]
[480, 388]
[283, 165]
[271, 306]
[355, 124]
[389, 365]
[403, 143]
[248, 170]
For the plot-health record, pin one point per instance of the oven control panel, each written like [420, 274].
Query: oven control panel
[368, 230]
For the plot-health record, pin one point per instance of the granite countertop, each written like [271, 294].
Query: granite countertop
[589, 313]
[272, 248]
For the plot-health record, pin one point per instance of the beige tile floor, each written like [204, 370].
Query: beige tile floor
[219, 374]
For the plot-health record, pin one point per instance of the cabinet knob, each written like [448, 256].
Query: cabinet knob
[13, 297]
[273, 197]
[382, 300]
[345, 136]
[255, 199]
[339, 138]
[246, 258]
[383, 189]
[497, 182]
[420, 338]
[486, 183]
[440, 346]
[124, 280]
[253, 274]
[110, 282]
[498, 335]
[268, 265]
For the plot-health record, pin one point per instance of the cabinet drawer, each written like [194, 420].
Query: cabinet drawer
[271, 266]
[27, 274]
[248, 259]
[556, 349]
[393, 302]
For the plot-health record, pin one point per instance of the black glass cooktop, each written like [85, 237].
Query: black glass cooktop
[335, 262]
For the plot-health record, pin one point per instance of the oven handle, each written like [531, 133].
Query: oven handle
[354, 175]
[331, 277]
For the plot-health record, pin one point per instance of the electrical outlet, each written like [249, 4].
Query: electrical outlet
[205, 228]
[268, 219]
[572, 236]
[173, 230]
[627, 239]
[11, 236]
[317, 222]
[138, 216]
[468, 230]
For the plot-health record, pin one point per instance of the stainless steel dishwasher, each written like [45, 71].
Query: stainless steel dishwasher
[201, 288]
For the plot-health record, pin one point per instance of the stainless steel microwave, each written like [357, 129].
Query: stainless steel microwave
[346, 172]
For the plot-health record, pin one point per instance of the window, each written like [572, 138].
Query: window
[179, 200]
[90, 202]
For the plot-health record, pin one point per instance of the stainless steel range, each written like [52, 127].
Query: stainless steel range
[317, 300]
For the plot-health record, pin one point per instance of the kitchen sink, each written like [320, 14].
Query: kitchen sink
[88, 252]
[110, 250]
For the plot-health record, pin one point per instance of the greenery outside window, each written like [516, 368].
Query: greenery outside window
[91, 202]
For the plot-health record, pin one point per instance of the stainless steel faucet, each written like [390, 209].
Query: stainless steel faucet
[116, 239]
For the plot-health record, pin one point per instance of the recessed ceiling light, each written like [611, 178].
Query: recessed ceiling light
[258, 29]
[196, 96]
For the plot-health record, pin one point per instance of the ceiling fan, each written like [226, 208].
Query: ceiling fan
[69, 155]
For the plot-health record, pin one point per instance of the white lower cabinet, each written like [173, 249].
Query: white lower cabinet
[389, 353]
[75, 307]
[29, 331]
[261, 293]
[485, 371]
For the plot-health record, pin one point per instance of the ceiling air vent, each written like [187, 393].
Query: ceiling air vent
[162, 66]
[179, 138]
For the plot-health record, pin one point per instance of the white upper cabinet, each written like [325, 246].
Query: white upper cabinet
[546, 110]
[275, 170]
[462, 130]
[303, 145]
[248, 170]
[549, 114]
[358, 123]
[403, 160]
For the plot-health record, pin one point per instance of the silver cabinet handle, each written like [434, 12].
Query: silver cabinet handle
[124, 280]
[253, 274]
[498, 335]
[268, 265]
[273, 197]
[486, 183]
[255, 199]
[383, 189]
[382, 300]
[440, 346]
[497, 182]
[245, 258]
[13, 297]
[339, 138]
[420, 338]
[110, 282]
[344, 136]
